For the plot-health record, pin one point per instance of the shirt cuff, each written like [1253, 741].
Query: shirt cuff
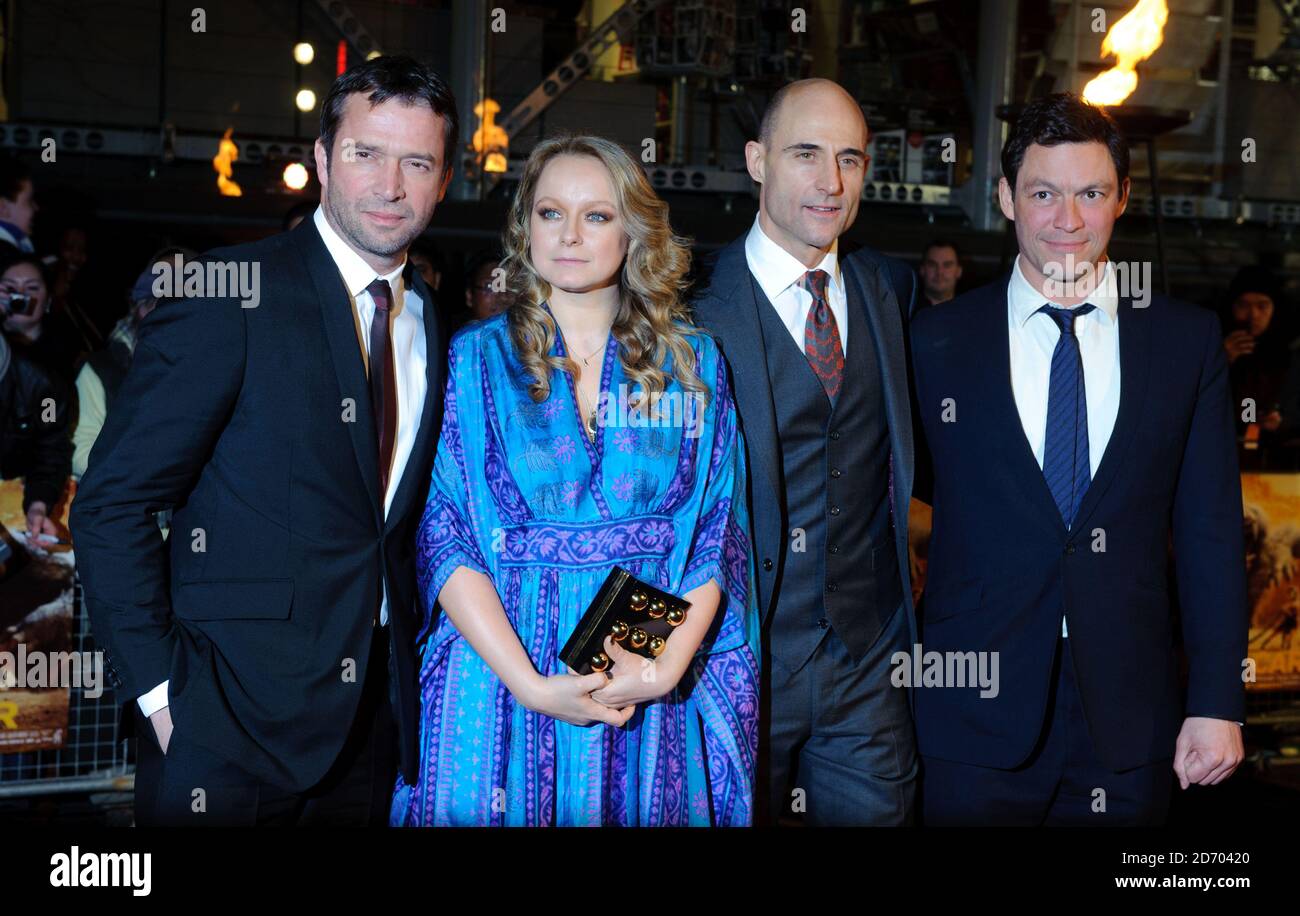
[154, 700]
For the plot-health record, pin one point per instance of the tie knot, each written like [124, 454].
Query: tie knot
[815, 282]
[1064, 318]
[380, 292]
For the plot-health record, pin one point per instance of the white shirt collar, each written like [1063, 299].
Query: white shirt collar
[356, 273]
[1024, 300]
[776, 269]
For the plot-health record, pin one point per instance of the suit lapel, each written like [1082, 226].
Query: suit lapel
[1134, 370]
[880, 306]
[345, 353]
[1008, 431]
[416, 467]
[731, 313]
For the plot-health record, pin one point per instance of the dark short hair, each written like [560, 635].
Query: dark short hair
[424, 247]
[392, 77]
[13, 258]
[941, 243]
[480, 259]
[12, 175]
[303, 209]
[1062, 117]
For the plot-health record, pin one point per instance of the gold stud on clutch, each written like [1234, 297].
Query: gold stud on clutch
[599, 661]
[638, 600]
[619, 631]
[639, 637]
[676, 617]
[658, 608]
[657, 645]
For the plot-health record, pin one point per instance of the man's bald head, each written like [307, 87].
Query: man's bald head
[809, 162]
[810, 91]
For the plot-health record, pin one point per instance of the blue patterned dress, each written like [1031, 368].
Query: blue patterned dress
[520, 493]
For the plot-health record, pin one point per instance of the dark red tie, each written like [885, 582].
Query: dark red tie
[383, 380]
[821, 335]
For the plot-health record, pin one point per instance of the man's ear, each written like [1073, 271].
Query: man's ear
[447, 170]
[1006, 199]
[755, 160]
[322, 162]
[1124, 188]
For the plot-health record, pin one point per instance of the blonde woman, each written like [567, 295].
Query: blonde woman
[588, 426]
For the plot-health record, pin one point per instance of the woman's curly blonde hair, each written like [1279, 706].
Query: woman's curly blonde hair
[652, 319]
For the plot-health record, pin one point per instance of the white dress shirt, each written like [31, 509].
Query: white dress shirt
[778, 273]
[409, 360]
[1033, 338]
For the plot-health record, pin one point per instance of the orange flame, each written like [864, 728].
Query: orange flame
[227, 152]
[490, 141]
[1131, 40]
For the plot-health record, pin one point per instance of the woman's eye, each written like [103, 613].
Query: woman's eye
[603, 217]
[545, 212]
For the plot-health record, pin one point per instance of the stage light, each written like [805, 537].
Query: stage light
[305, 99]
[304, 53]
[295, 176]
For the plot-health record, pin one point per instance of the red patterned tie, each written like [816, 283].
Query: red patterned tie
[821, 335]
[383, 379]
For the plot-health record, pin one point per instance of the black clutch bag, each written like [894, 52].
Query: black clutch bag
[640, 617]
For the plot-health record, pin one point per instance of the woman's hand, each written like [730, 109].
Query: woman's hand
[1238, 343]
[636, 679]
[567, 697]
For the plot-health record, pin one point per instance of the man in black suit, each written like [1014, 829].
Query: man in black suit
[1078, 426]
[814, 339]
[292, 432]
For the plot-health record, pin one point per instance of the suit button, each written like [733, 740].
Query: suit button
[835, 434]
[1069, 548]
[835, 472]
[831, 587]
[767, 564]
[835, 510]
[823, 623]
[835, 548]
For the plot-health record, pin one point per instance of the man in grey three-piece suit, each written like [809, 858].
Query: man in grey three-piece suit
[815, 342]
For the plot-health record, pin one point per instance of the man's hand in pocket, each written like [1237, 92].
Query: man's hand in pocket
[162, 727]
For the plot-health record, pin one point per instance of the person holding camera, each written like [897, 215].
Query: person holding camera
[53, 342]
[34, 442]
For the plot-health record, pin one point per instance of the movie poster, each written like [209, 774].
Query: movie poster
[36, 616]
[1271, 503]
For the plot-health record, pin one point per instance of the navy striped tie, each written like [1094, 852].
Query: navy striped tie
[1065, 446]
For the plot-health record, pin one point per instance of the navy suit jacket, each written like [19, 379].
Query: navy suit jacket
[728, 309]
[1003, 568]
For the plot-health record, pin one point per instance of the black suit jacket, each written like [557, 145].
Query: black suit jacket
[1003, 567]
[728, 309]
[254, 424]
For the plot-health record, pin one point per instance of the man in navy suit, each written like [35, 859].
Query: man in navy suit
[1077, 427]
[814, 339]
[295, 441]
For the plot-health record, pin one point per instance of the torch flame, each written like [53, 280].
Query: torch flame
[490, 141]
[227, 152]
[1131, 40]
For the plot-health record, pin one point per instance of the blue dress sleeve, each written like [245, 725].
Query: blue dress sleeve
[446, 537]
[720, 547]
